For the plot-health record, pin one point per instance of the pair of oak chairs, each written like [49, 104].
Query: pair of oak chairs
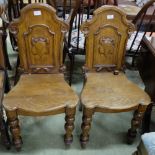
[42, 90]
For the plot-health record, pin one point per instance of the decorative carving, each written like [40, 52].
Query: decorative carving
[105, 67]
[107, 40]
[39, 39]
[106, 46]
[30, 29]
[41, 69]
[39, 48]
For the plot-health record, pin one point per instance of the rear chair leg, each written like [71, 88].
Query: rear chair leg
[135, 123]
[69, 125]
[15, 129]
[86, 125]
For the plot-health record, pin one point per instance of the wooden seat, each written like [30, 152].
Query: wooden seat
[111, 93]
[53, 93]
[106, 88]
[41, 89]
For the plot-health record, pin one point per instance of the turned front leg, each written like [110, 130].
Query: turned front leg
[86, 125]
[136, 122]
[15, 129]
[69, 125]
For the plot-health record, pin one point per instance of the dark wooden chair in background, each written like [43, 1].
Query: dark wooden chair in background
[146, 64]
[107, 88]
[41, 89]
[144, 22]
[5, 63]
[3, 27]
[3, 125]
[4, 86]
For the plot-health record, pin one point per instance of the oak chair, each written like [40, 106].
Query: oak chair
[41, 89]
[106, 88]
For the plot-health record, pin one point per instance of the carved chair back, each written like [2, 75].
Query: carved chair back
[84, 11]
[39, 34]
[144, 22]
[106, 37]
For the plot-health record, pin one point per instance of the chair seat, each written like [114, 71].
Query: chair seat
[113, 92]
[39, 93]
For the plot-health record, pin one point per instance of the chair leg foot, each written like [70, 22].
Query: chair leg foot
[135, 123]
[15, 129]
[69, 125]
[86, 125]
